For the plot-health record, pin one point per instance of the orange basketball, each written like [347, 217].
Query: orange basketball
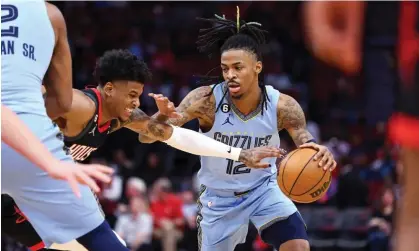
[300, 177]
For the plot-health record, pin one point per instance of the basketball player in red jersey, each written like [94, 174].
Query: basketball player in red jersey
[342, 48]
[96, 112]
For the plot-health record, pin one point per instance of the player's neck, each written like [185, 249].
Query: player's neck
[248, 102]
[106, 115]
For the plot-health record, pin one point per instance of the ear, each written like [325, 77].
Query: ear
[258, 67]
[109, 89]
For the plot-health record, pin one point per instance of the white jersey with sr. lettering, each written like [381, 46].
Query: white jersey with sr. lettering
[27, 46]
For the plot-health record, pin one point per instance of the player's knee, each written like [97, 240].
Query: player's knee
[120, 239]
[102, 238]
[287, 235]
[295, 245]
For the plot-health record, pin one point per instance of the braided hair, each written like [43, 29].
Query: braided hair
[227, 35]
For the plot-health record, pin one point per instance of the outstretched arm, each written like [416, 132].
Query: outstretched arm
[291, 118]
[196, 105]
[18, 136]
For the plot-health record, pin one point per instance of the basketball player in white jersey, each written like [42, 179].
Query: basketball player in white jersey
[27, 56]
[35, 49]
[243, 112]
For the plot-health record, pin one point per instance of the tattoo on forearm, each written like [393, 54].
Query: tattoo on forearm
[156, 129]
[144, 125]
[136, 116]
[291, 117]
[197, 104]
[160, 117]
[302, 137]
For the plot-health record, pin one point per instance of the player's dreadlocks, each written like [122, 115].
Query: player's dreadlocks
[226, 35]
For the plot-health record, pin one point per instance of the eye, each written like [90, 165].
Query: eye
[132, 96]
[239, 68]
[225, 70]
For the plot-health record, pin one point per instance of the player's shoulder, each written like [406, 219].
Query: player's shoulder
[55, 14]
[202, 91]
[56, 18]
[80, 95]
[271, 89]
[287, 102]
[197, 96]
[82, 107]
[273, 94]
[285, 98]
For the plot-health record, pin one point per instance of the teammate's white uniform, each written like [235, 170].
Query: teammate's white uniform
[27, 44]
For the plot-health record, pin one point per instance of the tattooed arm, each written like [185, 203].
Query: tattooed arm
[291, 118]
[198, 104]
[141, 123]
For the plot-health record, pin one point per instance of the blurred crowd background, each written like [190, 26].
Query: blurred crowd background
[154, 189]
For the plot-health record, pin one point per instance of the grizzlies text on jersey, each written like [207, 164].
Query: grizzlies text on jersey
[233, 128]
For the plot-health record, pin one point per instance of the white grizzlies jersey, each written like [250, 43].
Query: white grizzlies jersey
[234, 129]
[27, 44]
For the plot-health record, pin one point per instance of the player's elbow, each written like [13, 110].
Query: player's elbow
[159, 131]
[64, 105]
[57, 107]
[145, 140]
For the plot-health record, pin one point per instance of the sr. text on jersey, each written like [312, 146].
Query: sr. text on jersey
[8, 47]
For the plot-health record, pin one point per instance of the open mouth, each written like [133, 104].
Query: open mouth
[128, 111]
[233, 87]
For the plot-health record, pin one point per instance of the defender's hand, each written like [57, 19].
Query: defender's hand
[327, 160]
[165, 106]
[252, 157]
[76, 174]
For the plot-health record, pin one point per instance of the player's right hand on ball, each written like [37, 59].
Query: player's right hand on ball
[76, 174]
[253, 157]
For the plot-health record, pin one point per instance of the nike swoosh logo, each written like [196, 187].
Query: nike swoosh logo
[229, 150]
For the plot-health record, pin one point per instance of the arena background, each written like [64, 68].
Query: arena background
[341, 112]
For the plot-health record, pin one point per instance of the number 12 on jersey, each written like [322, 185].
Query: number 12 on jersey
[238, 169]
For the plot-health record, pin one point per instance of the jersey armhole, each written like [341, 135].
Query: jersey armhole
[275, 95]
[52, 26]
[91, 120]
[215, 89]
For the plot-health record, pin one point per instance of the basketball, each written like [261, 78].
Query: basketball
[300, 177]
